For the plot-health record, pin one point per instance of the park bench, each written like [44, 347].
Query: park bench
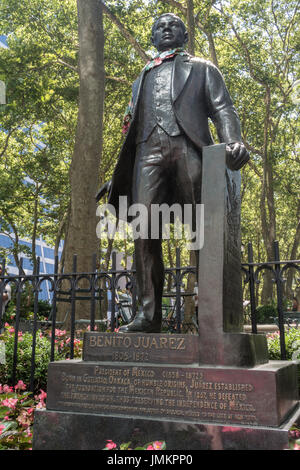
[290, 319]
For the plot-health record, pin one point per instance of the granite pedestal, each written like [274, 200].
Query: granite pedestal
[122, 391]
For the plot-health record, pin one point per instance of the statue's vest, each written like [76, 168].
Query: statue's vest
[155, 106]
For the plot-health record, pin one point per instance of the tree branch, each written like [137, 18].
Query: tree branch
[69, 66]
[118, 79]
[176, 4]
[6, 142]
[126, 33]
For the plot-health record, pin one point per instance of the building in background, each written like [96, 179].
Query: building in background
[46, 254]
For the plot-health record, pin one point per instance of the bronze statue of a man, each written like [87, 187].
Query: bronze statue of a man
[160, 160]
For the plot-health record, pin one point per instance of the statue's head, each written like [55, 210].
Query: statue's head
[168, 32]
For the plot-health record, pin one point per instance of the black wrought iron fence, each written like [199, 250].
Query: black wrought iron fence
[66, 287]
[278, 269]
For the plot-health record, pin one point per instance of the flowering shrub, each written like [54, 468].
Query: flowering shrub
[62, 344]
[23, 368]
[292, 343]
[294, 438]
[16, 416]
[42, 354]
[156, 445]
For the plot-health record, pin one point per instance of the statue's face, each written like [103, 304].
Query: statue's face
[168, 33]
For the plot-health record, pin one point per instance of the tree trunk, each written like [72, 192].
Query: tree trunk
[268, 216]
[291, 273]
[191, 26]
[81, 236]
[34, 228]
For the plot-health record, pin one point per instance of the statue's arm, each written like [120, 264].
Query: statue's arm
[224, 116]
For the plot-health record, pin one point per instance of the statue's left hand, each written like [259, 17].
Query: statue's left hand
[236, 155]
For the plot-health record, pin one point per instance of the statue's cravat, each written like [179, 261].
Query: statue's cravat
[155, 62]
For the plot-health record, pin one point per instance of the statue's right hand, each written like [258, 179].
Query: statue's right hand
[236, 155]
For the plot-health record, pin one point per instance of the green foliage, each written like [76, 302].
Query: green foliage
[256, 45]
[16, 416]
[292, 343]
[39, 118]
[294, 437]
[42, 358]
[42, 354]
[44, 309]
[26, 306]
[266, 314]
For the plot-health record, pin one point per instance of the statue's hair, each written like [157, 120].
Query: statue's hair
[169, 14]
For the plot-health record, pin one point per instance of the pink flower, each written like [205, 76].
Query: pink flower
[40, 405]
[10, 402]
[110, 444]
[158, 445]
[20, 385]
[296, 446]
[7, 389]
[1, 428]
[42, 396]
[60, 332]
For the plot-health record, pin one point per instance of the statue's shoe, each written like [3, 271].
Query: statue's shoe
[141, 325]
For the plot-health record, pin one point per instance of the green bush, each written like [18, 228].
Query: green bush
[292, 344]
[16, 416]
[42, 358]
[42, 354]
[26, 305]
[266, 314]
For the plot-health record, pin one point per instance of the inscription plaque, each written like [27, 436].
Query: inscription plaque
[138, 347]
[237, 396]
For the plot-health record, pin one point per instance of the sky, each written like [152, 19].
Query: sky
[3, 42]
